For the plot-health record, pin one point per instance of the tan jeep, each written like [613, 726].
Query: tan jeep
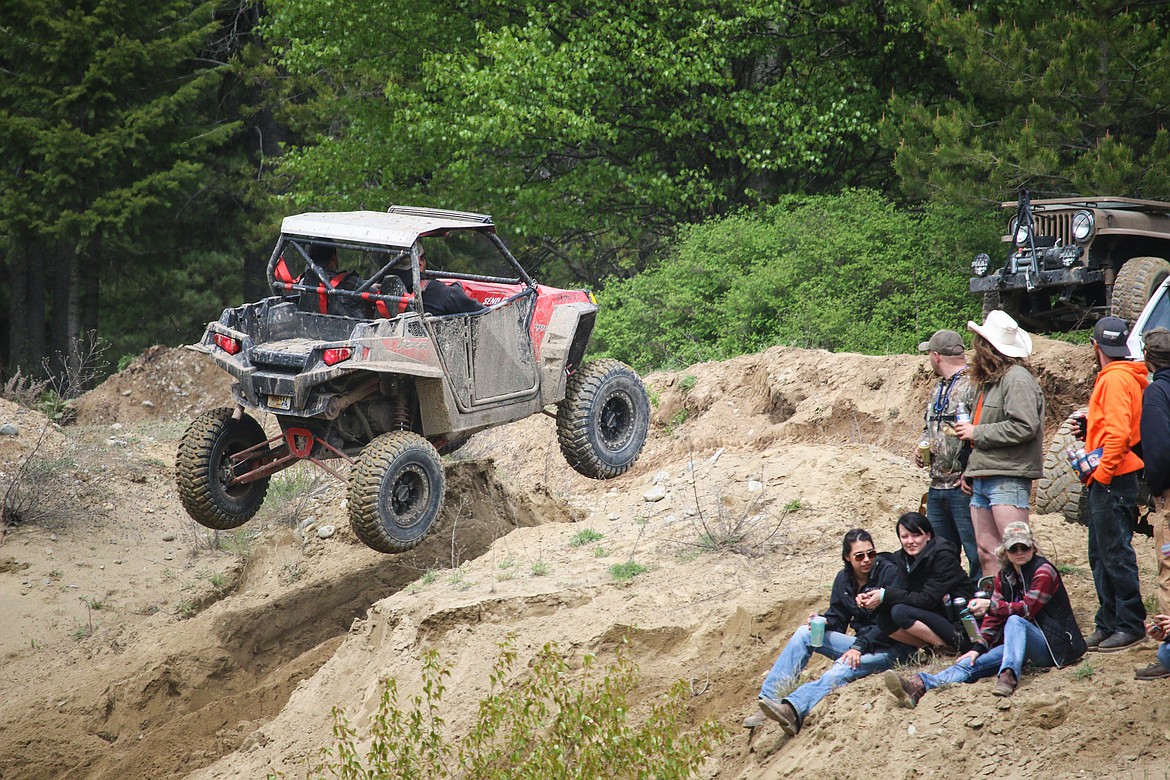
[1074, 260]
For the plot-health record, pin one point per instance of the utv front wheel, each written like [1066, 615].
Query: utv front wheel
[603, 419]
[395, 491]
[203, 470]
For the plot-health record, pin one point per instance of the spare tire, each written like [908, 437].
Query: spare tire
[1060, 490]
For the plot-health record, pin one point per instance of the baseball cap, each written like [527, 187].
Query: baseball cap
[1111, 333]
[1017, 533]
[944, 342]
[1157, 341]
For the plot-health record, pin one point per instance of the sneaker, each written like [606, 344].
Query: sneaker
[755, 720]
[1005, 685]
[1154, 671]
[1095, 639]
[1120, 641]
[907, 690]
[783, 713]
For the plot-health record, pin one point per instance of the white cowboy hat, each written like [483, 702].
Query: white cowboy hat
[1002, 332]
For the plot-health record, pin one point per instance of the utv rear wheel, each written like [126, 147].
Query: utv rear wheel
[603, 419]
[1060, 489]
[1137, 280]
[203, 470]
[395, 491]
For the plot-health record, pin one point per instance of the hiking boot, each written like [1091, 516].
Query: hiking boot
[1005, 684]
[1154, 671]
[1095, 639]
[907, 690]
[783, 713]
[1120, 641]
[755, 720]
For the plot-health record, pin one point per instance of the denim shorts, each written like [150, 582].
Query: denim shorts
[987, 492]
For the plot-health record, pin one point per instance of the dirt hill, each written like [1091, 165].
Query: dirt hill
[136, 645]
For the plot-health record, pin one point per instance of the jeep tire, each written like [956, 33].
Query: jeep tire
[203, 470]
[395, 491]
[603, 420]
[1137, 280]
[1059, 490]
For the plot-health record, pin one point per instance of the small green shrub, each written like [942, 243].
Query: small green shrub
[624, 572]
[540, 569]
[584, 537]
[687, 383]
[552, 725]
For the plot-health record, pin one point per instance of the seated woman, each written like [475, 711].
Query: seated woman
[1029, 619]
[866, 652]
[915, 614]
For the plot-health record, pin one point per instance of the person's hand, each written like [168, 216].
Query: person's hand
[850, 658]
[1160, 627]
[918, 458]
[870, 600]
[965, 486]
[965, 431]
[978, 607]
[968, 657]
[811, 615]
[1079, 427]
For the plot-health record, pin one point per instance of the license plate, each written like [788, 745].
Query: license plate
[283, 402]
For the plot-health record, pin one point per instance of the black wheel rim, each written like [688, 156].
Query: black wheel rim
[615, 421]
[227, 469]
[408, 496]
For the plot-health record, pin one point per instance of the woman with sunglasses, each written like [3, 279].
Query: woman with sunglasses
[864, 653]
[1029, 620]
[916, 613]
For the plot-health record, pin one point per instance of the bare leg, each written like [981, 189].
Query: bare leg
[918, 635]
[1004, 514]
[988, 535]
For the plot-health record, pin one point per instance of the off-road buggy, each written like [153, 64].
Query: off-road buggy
[1074, 260]
[358, 372]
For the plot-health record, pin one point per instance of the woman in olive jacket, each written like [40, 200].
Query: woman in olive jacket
[917, 614]
[1006, 431]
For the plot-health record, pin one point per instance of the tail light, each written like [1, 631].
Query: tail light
[226, 343]
[335, 355]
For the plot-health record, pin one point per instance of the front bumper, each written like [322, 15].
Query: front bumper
[1060, 277]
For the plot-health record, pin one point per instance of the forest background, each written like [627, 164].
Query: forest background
[726, 175]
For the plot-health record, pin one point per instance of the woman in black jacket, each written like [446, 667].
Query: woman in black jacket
[917, 614]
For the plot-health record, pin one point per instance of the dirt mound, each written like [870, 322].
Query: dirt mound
[138, 646]
[163, 383]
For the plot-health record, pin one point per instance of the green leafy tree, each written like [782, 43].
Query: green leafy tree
[591, 128]
[849, 272]
[1060, 97]
[107, 123]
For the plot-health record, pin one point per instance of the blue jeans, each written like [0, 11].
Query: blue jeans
[1164, 655]
[949, 512]
[1022, 641]
[1112, 516]
[795, 655]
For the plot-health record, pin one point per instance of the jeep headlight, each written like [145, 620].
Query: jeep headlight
[980, 264]
[1082, 226]
[1021, 234]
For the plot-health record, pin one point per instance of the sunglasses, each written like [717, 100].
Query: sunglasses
[865, 555]
[1019, 548]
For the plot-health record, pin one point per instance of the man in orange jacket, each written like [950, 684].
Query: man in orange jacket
[1113, 429]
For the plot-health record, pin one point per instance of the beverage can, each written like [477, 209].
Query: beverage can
[924, 452]
[969, 625]
[816, 630]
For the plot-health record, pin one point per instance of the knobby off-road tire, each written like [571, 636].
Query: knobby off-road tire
[1059, 490]
[395, 491]
[1136, 282]
[203, 469]
[603, 419]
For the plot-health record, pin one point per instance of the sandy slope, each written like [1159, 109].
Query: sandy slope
[206, 663]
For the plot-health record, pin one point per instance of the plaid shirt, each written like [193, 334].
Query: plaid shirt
[1009, 598]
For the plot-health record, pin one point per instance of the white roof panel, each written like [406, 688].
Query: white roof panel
[399, 227]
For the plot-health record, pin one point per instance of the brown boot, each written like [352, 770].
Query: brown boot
[1005, 685]
[907, 690]
[783, 713]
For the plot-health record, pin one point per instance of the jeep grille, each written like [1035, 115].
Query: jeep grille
[1058, 224]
